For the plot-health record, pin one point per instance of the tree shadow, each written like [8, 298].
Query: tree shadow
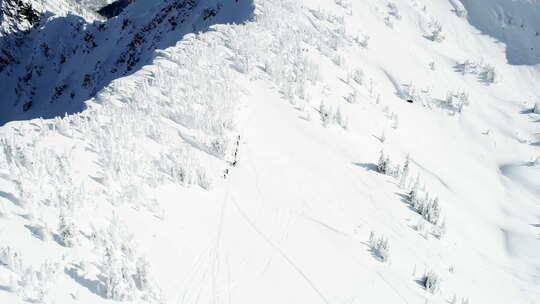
[5, 288]
[52, 69]
[10, 197]
[95, 286]
[367, 166]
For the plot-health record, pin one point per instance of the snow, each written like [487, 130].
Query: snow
[211, 160]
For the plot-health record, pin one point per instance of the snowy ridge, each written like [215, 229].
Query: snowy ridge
[315, 152]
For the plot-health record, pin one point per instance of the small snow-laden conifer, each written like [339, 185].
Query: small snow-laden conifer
[427, 207]
[11, 259]
[489, 74]
[341, 119]
[363, 40]
[7, 149]
[383, 163]
[67, 230]
[118, 262]
[413, 194]
[36, 284]
[326, 114]
[439, 230]
[395, 121]
[358, 76]
[431, 281]
[127, 275]
[144, 282]
[536, 108]
[456, 100]
[433, 212]
[420, 226]
[119, 285]
[352, 97]
[435, 31]
[536, 161]
[404, 173]
[379, 246]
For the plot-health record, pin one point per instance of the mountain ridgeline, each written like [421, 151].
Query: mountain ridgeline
[50, 65]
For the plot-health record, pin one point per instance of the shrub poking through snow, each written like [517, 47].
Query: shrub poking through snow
[431, 281]
[379, 246]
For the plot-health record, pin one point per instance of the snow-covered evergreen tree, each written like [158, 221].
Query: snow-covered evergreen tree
[536, 108]
[379, 246]
[67, 230]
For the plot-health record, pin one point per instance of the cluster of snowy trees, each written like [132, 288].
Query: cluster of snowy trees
[434, 31]
[330, 116]
[286, 54]
[126, 274]
[427, 206]
[455, 300]
[484, 71]
[358, 76]
[29, 283]
[418, 198]
[392, 14]
[385, 166]
[431, 281]
[454, 102]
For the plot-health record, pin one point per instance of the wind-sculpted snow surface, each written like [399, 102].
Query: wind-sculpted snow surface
[316, 152]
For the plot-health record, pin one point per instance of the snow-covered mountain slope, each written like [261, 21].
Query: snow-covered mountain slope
[241, 163]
